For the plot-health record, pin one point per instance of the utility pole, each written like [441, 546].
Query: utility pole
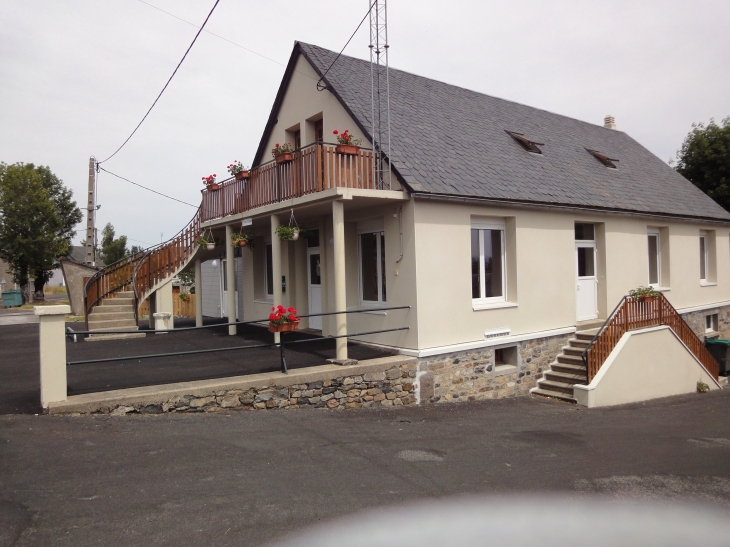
[91, 215]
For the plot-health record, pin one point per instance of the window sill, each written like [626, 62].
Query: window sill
[478, 306]
[660, 289]
[504, 369]
[369, 306]
[708, 284]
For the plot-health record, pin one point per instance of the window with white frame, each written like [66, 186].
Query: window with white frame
[703, 256]
[655, 259]
[488, 280]
[711, 323]
[269, 270]
[371, 250]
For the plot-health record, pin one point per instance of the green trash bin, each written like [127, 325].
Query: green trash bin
[719, 348]
[12, 299]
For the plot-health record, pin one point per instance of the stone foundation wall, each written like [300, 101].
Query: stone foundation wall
[473, 375]
[696, 321]
[391, 387]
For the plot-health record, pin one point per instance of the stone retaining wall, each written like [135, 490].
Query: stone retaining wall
[473, 375]
[696, 321]
[390, 387]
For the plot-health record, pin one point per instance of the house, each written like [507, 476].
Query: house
[502, 231]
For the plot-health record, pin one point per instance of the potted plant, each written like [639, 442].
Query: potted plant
[238, 170]
[210, 183]
[207, 241]
[243, 239]
[287, 233]
[282, 319]
[347, 144]
[643, 293]
[282, 153]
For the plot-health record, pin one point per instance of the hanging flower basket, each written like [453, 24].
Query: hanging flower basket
[241, 175]
[282, 319]
[347, 149]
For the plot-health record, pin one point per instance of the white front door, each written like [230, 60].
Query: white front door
[315, 287]
[587, 282]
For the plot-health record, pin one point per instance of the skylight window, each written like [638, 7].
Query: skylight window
[605, 160]
[526, 143]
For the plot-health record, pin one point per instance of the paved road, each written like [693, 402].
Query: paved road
[243, 478]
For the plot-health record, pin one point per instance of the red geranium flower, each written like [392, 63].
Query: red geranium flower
[334, 132]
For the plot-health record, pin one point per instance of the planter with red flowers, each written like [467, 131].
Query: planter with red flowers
[347, 145]
[210, 183]
[283, 319]
[238, 170]
[282, 153]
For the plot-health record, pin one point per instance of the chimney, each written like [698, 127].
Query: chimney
[609, 122]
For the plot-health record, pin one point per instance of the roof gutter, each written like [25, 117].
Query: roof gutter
[561, 206]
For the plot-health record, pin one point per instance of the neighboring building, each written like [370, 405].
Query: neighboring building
[505, 228]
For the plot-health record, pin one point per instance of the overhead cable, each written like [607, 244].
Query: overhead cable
[168, 83]
[150, 189]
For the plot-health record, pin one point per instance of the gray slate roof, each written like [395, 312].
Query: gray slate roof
[450, 140]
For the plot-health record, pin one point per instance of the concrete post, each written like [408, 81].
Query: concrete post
[161, 302]
[323, 258]
[276, 267]
[198, 293]
[338, 229]
[231, 277]
[52, 352]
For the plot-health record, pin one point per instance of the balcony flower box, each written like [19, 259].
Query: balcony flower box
[642, 294]
[282, 319]
[241, 175]
[282, 153]
[285, 157]
[213, 187]
[238, 170]
[210, 183]
[347, 149]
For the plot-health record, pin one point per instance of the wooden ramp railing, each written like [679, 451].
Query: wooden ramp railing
[632, 314]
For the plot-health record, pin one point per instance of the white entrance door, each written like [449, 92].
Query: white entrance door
[587, 282]
[315, 287]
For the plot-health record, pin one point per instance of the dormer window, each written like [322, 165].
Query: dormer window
[526, 143]
[604, 159]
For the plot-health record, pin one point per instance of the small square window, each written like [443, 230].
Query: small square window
[505, 359]
[711, 323]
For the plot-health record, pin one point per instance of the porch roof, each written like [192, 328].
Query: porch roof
[449, 141]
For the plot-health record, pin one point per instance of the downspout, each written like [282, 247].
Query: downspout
[400, 226]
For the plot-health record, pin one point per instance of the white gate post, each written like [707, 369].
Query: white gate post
[52, 352]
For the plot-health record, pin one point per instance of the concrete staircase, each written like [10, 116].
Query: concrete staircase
[116, 313]
[568, 368]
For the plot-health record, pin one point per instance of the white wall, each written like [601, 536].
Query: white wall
[211, 271]
[645, 364]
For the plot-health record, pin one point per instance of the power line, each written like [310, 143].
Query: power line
[321, 87]
[149, 189]
[168, 83]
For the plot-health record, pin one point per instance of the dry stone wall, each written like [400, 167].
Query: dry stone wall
[474, 375]
[696, 321]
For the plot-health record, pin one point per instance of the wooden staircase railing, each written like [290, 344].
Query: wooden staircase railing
[632, 314]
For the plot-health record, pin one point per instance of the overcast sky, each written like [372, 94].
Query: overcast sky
[76, 76]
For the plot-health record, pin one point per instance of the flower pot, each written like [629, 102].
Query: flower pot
[213, 187]
[241, 175]
[286, 157]
[285, 327]
[241, 242]
[295, 236]
[210, 246]
[347, 149]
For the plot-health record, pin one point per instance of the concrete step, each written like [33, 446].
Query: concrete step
[124, 294]
[586, 334]
[570, 350]
[565, 377]
[559, 387]
[550, 393]
[113, 324]
[110, 308]
[119, 301]
[575, 343]
[100, 337]
[569, 368]
[115, 315]
[569, 359]
[586, 325]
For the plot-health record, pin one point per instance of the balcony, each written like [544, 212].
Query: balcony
[314, 168]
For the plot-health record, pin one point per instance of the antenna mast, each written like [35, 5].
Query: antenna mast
[380, 92]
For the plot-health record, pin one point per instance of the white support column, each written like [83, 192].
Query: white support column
[338, 232]
[231, 281]
[163, 316]
[276, 267]
[198, 293]
[52, 352]
[323, 279]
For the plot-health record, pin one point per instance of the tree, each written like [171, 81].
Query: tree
[136, 249]
[37, 217]
[112, 250]
[705, 159]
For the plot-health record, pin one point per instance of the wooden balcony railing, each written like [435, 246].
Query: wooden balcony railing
[632, 314]
[315, 168]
